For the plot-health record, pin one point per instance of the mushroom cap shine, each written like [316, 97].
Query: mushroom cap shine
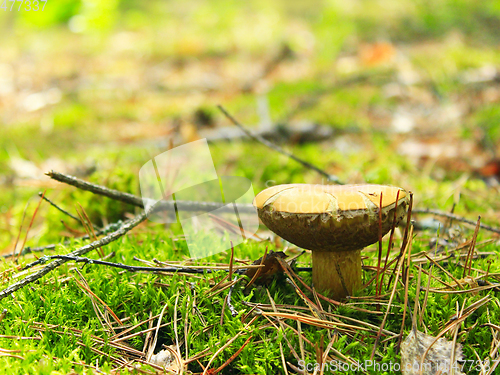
[330, 217]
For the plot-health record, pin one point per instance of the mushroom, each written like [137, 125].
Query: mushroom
[335, 222]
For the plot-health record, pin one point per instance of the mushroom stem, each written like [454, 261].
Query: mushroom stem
[337, 272]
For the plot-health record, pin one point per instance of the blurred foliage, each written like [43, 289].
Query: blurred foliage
[334, 21]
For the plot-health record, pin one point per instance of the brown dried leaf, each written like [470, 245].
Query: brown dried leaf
[270, 269]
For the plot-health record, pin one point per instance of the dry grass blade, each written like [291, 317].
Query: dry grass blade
[379, 258]
[468, 261]
[399, 264]
[259, 270]
[232, 358]
[391, 238]
[472, 290]
[89, 227]
[456, 322]
[426, 296]
[282, 329]
[29, 227]
[153, 343]
[177, 346]
[148, 334]
[229, 342]
[147, 331]
[127, 226]
[118, 335]
[316, 322]
[87, 289]
[407, 285]
[312, 306]
[283, 361]
[222, 287]
[231, 260]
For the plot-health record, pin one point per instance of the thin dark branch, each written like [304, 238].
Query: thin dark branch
[277, 148]
[59, 208]
[127, 226]
[454, 217]
[78, 259]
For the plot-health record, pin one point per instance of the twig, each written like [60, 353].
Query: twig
[78, 259]
[138, 202]
[57, 207]
[127, 226]
[455, 217]
[209, 206]
[274, 147]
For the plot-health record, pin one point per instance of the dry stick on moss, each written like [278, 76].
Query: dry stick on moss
[28, 249]
[277, 148]
[127, 226]
[138, 202]
[78, 259]
[202, 206]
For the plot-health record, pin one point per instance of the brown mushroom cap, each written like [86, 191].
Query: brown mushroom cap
[330, 217]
